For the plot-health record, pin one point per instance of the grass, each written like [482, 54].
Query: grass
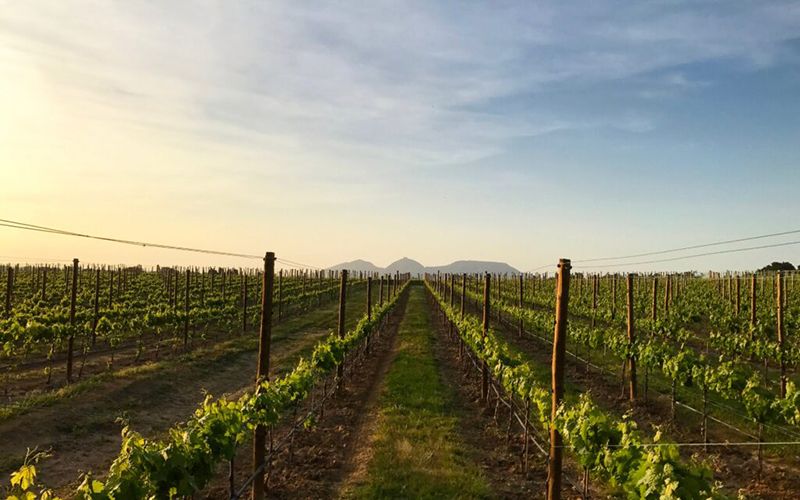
[417, 450]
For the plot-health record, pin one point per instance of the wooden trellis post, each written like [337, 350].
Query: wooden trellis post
[262, 373]
[781, 340]
[340, 329]
[486, 316]
[521, 292]
[72, 305]
[631, 338]
[557, 373]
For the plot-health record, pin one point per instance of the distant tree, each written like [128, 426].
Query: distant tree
[778, 266]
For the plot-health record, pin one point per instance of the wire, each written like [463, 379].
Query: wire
[299, 264]
[692, 247]
[734, 250]
[51, 230]
[44, 229]
[43, 259]
[694, 444]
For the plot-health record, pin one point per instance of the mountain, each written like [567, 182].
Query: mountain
[358, 265]
[475, 266]
[406, 265]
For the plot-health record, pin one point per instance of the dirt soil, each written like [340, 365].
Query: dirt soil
[500, 458]
[324, 456]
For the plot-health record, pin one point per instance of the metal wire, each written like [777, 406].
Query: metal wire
[44, 229]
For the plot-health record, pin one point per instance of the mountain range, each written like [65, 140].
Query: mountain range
[406, 265]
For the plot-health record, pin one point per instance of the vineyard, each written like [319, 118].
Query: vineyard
[175, 382]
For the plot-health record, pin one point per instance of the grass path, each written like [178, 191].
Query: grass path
[417, 451]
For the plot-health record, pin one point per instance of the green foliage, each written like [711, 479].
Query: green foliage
[778, 266]
[184, 462]
[611, 448]
[24, 485]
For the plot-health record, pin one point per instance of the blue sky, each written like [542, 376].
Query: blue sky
[513, 131]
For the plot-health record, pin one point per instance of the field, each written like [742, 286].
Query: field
[222, 383]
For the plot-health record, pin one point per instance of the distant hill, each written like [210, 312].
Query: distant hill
[476, 266]
[406, 265]
[358, 265]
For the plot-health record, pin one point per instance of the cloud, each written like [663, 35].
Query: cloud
[386, 85]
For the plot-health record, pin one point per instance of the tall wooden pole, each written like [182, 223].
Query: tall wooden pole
[781, 340]
[244, 301]
[369, 298]
[340, 330]
[44, 283]
[631, 337]
[614, 297]
[186, 310]
[557, 373]
[9, 288]
[753, 300]
[486, 316]
[96, 316]
[655, 298]
[738, 294]
[262, 374]
[521, 292]
[280, 295]
[72, 306]
[463, 294]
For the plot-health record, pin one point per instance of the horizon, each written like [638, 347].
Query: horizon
[519, 133]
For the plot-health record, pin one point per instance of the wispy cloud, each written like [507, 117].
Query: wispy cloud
[396, 83]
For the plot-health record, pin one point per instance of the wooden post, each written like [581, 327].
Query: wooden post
[186, 311]
[655, 296]
[452, 303]
[244, 302]
[614, 297]
[369, 298]
[667, 294]
[753, 300]
[262, 374]
[631, 337]
[781, 341]
[738, 294]
[111, 290]
[44, 283]
[72, 305]
[175, 273]
[595, 289]
[96, 317]
[9, 289]
[280, 295]
[463, 294]
[380, 292]
[557, 378]
[452, 288]
[521, 292]
[486, 315]
[342, 304]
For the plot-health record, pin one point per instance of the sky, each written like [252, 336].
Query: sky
[329, 131]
